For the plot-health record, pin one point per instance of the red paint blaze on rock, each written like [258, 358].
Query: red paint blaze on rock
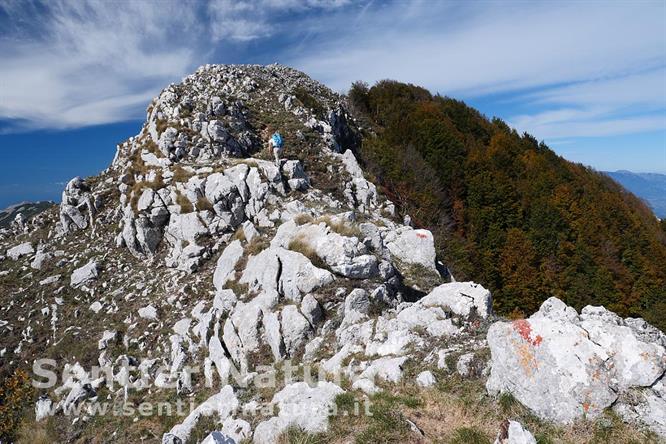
[524, 329]
[421, 235]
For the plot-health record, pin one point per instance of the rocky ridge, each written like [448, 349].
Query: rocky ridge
[194, 249]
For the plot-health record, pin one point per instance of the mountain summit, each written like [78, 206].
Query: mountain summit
[197, 270]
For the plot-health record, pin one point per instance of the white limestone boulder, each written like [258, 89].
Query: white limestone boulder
[462, 298]
[17, 252]
[295, 329]
[564, 366]
[413, 254]
[299, 405]
[85, 274]
[425, 379]
[284, 273]
[226, 264]
[344, 255]
[77, 206]
[40, 258]
[221, 405]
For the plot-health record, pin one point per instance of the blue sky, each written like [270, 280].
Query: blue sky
[589, 78]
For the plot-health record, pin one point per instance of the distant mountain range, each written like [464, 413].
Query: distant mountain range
[28, 209]
[650, 187]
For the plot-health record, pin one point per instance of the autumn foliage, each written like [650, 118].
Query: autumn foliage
[16, 393]
[507, 211]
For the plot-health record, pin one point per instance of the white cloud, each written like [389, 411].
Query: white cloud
[90, 63]
[249, 20]
[495, 48]
[578, 69]
[70, 64]
[641, 89]
[573, 69]
[567, 123]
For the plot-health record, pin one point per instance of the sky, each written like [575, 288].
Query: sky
[586, 77]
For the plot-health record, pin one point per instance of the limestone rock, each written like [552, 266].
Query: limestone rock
[564, 366]
[311, 309]
[413, 253]
[20, 250]
[77, 207]
[512, 432]
[148, 312]
[217, 437]
[225, 269]
[357, 301]
[222, 405]
[39, 259]
[250, 231]
[299, 406]
[344, 255]
[280, 272]
[462, 298]
[85, 274]
[295, 329]
[646, 406]
[42, 408]
[426, 379]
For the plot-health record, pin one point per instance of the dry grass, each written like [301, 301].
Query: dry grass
[303, 218]
[161, 126]
[239, 234]
[203, 204]
[258, 244]
[340, 227]
[138, 187]
[459, 407]
[150, 146]
[180, 174]
[184, 203]
[239, 289]
[33, 432]
[301, 245]
[295, 435]
[458, 410]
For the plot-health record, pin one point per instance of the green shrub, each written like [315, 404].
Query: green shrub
[309, 101]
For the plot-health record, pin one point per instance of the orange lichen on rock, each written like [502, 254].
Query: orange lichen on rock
[526, 359]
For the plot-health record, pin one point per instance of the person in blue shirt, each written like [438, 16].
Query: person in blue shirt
[275, 144]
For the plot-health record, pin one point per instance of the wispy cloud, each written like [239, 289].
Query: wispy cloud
[576, 69]
[89, 62]
[250, 20]
[572, 69]
[71, 64]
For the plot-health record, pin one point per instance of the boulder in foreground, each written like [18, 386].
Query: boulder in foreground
[564, 366]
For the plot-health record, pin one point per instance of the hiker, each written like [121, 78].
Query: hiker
[275, 143]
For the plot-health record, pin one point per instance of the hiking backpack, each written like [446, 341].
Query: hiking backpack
[277, 140]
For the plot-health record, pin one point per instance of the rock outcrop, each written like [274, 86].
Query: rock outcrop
[564, 365]
[77, 207]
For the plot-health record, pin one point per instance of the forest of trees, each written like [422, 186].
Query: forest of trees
[507, 211]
